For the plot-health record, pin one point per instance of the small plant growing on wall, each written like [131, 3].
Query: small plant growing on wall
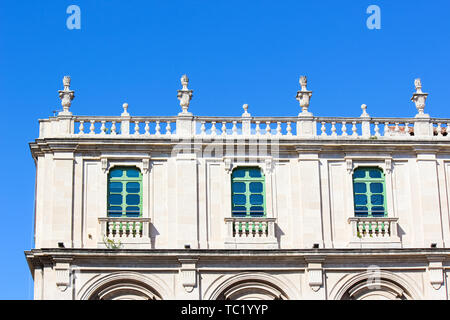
[111, 244]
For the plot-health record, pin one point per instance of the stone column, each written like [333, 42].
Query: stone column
[186, 198]
[428, 189]
[62, 200]
[310, 197]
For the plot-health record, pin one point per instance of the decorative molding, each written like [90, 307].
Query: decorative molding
[146, 165]
[62, 272]
[349, 163]
[268, 168]
[188, 273]
[228, 165]
[315, 272]
[388, 166]
[436, 272]
[105, 164]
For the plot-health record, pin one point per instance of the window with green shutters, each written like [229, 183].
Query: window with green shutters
[248, 193]
[125, 192]
[369, 192]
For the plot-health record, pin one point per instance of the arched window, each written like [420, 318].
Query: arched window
[369, 192]
[125, 192]
[248, 193]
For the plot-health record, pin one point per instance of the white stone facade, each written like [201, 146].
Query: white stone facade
[187, 245]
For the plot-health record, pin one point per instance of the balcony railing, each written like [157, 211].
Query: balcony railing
[374, 230]
[124, 230]
[250, 233]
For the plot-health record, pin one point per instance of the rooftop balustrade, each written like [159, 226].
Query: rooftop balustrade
[185, 124]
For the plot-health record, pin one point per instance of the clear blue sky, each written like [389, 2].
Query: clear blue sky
[233, 51]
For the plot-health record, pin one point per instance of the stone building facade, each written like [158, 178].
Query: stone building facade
[193, 207]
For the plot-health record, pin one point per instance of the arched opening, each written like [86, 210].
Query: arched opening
[381, 289]
[125, 290]
[252, 290]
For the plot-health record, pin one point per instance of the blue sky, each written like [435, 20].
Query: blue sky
[234, 52]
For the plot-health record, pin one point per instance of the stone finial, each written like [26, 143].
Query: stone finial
[125, 110]
[364, 113]
[66, 95]
[419, 99]
[245, 114]
[185, 95]
[304, 97]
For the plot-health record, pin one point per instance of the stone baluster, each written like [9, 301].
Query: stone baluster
[354, 129]
[278, 129]
[360, 229]
[380, 229]
[224, 128]
[113, 128]
[158, 128]
[251, 227]
[92, 127]
[386, 129]
[138, 229]
[81, 127]
[103, 128]
[264, 228]
[397, 128]
[323, 129]
[258, 129]
[203, 128]
[234, 130]
[377, 130]
[333, 129]
[387, 228]
[268, 130]
[147, 128]
[237, 229]
[136, 128]
[168, 129]
[289, 129]
[439, 130]
[344, 129]
[213, 129]
[407, 129]
[367, 228]
[124, 229]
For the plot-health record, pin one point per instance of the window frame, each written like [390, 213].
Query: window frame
[247, 180]
[124, 180]
[368, 181]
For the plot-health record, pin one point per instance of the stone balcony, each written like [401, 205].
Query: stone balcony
[250, 233]
[374, 232]
[128, 233]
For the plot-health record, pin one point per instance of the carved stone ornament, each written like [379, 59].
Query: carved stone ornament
[188, 273]
[62, 272]
[304, 97]
[436, 273]
[185, 95]
[419, 99]
[66, 97]
[315, 278]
